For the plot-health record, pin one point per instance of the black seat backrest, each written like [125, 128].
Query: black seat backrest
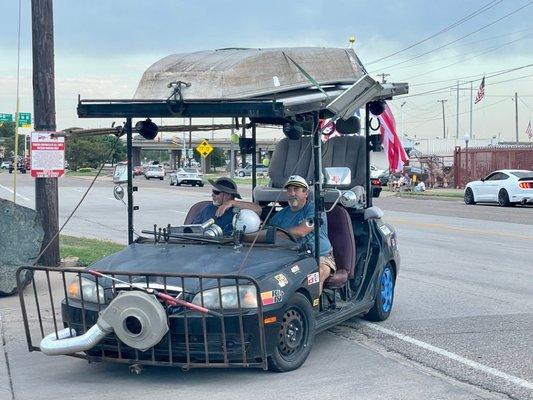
[295, 157]
[340, 234]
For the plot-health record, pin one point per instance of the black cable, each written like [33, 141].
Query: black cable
[79, 203]
[457, 23]
[456, 40]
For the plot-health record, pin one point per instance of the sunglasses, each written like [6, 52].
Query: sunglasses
[216, 192]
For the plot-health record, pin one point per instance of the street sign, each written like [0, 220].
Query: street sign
[47, 155]
[24, 120]
[6, 118]
[204, 148]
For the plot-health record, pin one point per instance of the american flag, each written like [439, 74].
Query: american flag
[528, 131]
[480, 92]
[391, 142]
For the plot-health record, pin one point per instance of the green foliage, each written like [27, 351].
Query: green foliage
[7, 139]
[85, 169]
[92, 151]
[87, 250]
[217, 157]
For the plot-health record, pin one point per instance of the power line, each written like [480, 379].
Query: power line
[439, 90]
[456, 40]
[456, 23]
[485, 51]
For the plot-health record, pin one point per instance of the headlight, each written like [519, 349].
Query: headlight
[88, 287]
[247, 294]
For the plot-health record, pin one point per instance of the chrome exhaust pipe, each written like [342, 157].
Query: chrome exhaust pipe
[136, 318]
[67, 342]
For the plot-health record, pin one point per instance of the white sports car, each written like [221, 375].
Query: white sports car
[506, 187]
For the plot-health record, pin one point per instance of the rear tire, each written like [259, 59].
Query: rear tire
[469, 197]
[296, 335]
[384, 296]
[503, 198]
[201, 184]
[241, 174]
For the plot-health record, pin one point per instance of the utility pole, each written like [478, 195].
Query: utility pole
[471, 106]
[457, 123]
[383, 76]
[46, 193]
[516, 114]
[443, 118]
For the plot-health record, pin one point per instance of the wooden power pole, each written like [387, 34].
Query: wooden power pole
[46, 193]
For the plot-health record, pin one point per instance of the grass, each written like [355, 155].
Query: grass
[453, 193]
[87, 250]
[77, 173]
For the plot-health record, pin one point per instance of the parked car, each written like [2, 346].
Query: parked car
[375, 172]
[5, 165]
[154, 171]
[506, 187]
[188, 176]
[247, 171]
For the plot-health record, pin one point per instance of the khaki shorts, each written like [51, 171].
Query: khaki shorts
[329, 261]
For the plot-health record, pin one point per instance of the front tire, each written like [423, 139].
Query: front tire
[503, 198]
[469, 196]
[295, 337]
[242, 174]
[384, 296]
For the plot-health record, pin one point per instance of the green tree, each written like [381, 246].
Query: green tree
[92, 151]
[218, 158]
[7, 140]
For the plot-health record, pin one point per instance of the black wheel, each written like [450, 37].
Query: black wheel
[171, 182]
[178, 183]
[201, 184]
[384, 296]
[147, 177]
[295, 337]
[503, 198]
[469, 196]
[241, 174]
[193, 184]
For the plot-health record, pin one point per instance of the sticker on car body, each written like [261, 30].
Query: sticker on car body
[282, 280]
[385, 229]
[272, 297]
[295, 269]
[313, 278]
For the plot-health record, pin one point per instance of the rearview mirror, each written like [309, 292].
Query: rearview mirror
[118, 192]
[336, 176]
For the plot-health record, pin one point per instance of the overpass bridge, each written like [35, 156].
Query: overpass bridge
[176, 148]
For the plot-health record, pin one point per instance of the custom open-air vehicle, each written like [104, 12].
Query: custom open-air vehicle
[189, 297]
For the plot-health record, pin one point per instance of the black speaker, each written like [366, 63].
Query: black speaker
[247, 145]
[147, 129]
[377, 107]
[350, 126]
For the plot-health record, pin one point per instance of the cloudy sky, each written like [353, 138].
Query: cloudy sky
[102, 48]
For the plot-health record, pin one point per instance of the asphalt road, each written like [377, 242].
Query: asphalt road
[461, 328]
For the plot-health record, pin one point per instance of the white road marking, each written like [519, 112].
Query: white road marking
[452, 356]
[179, 212]
[11, 191]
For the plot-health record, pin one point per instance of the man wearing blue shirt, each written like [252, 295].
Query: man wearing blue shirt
[297, 219]
[224, 194]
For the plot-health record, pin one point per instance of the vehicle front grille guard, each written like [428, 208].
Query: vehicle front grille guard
[127, 323]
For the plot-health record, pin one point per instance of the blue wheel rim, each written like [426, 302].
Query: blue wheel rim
[387, 289]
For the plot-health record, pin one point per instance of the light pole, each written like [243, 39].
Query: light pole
[401, 109]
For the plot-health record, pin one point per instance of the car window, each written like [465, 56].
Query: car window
[491, 177]
[523, 174]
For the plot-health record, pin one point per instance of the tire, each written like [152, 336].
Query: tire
[147, 178]
[296, 335]
[171, 183]
[178, 183]
[382, 307]
[201, 184]
[161, 179]
[469, 196]
[241, 174]
[503, 198]
[193, 184]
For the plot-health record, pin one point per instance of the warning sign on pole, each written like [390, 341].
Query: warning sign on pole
[47, 155]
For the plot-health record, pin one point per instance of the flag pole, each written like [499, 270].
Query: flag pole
[16, 150]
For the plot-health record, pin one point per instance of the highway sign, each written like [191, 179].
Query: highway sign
[204, 148]
[6, 118]
[24, 120]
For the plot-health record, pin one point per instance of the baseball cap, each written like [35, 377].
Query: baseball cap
[296, 180]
